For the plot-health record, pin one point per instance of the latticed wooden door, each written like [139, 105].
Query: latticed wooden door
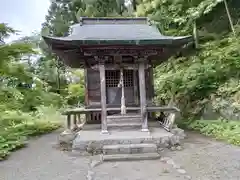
[114, 92]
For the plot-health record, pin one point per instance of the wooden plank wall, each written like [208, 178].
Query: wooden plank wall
[94, 93]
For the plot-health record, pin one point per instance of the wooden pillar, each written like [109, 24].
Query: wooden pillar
[103, 99]
[75, 119]
[123, 106]
[152, 92]
[142, 90]
[87, 117]
[69, 121]
[151, 83]
[135, 87]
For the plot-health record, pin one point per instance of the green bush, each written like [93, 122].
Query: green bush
[224, 130]
[193, 80]
[76, 94]
[16, 127]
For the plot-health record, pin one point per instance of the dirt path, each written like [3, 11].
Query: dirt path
[201, 159]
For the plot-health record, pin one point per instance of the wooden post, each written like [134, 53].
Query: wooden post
[69, 121]
[103, 99]
[79, 119]
[87, 117]
[135, 87]
[123, 106]
[151, 78]
[75, 119]
[142, 88]
[195, 34]
[152, 92]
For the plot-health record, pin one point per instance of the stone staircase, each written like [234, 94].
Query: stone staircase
[132, 120]
[129, 150]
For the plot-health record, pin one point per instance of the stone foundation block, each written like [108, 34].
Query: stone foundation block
[129, 148]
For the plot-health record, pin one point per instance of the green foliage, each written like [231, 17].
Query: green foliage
[21, 92]
[223, 130]
[177, 17]
[75, 94]
[76, 89]
[5, 31]
[16, 127]
[192, 80]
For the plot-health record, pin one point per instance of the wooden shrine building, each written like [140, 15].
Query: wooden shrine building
[118, 55]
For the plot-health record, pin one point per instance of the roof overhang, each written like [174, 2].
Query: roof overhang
[113, 33]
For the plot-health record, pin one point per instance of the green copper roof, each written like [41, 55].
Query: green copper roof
[120, 31]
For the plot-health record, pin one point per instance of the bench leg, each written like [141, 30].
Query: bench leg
[69, 121]
[79, 118]
[75, 120]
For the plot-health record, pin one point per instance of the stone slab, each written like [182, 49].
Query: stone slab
[124, 125]
[131, 157]
[129, 148]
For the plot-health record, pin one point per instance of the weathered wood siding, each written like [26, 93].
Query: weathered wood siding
[94, 91]
[149, 85]
[94, 95]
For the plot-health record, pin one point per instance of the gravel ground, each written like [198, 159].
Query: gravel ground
[207, 159]
[201, 159]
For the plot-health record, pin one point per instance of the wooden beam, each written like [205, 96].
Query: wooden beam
[123, 52]
[103, 99]
[123, 65]
[99, 109]
[143, 102]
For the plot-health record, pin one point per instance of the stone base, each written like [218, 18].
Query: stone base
[131, 157]
[129, 148]
[92, 141]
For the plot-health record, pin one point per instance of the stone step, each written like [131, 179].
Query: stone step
[126, 117]
[124, 125]
[124, 120]
[129, 148]
[130, 157]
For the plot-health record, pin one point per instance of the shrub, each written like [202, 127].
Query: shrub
[193, 80]
[16, 127]
[75, 94]
[220, 129]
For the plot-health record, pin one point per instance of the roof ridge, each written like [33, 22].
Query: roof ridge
[113, 20]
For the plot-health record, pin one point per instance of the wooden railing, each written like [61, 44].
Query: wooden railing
[167, 122]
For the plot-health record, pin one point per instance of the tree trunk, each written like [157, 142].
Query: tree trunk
[195, 34]
[229, 17]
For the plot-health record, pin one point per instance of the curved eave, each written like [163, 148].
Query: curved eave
[69, 43]
[70, 53]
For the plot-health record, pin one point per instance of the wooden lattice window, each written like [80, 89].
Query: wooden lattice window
[113, 77]
[128, 78]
